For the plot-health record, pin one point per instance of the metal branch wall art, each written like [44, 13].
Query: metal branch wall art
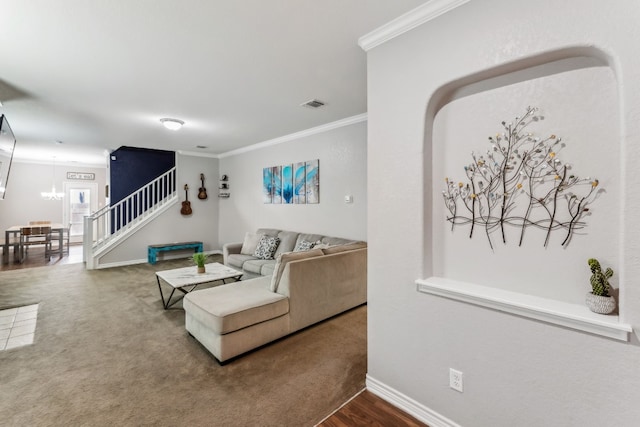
[520, 182]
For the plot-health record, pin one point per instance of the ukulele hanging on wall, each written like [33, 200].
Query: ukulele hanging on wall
[202, 192]
[186, 205]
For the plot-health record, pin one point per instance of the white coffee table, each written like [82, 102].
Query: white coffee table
[186, 279]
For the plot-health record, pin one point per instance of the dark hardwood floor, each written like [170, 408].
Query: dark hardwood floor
[36, 258]
[367, 409]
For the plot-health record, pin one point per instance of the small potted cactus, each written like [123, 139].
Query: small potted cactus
[200, 258]
[599, 300]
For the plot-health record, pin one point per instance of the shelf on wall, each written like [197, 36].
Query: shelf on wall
[573, 316]
[224, 186]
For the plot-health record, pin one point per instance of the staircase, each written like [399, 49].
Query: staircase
[112, 225]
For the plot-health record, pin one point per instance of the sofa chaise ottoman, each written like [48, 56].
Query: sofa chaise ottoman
[304, 288]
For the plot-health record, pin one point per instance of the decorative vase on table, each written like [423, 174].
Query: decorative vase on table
[201, 269]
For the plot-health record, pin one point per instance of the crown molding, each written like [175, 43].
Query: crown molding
[78, 164]
[197, 154]
[297, 135]
[410, 20]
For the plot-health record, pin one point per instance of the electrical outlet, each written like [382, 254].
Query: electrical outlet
[455, 380]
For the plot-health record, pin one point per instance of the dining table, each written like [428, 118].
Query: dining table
[12, 238]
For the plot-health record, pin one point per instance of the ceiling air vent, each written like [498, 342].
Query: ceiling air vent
[313, 103]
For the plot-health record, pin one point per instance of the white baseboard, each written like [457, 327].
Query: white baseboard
[165, 257]
[99, 266]
[408, 405]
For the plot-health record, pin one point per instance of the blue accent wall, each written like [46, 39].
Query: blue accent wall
[132, 167]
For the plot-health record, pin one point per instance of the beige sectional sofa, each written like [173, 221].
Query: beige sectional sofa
[251, 266]
[291, 292]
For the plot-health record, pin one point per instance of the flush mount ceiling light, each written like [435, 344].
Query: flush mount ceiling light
[172, 124]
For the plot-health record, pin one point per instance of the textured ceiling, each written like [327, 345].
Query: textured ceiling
[99, 74]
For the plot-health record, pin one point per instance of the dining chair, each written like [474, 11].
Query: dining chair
[13, 243]
[32, 223]
[33, 236]
[66, 236]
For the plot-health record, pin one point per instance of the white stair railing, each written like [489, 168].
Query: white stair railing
[113, 222]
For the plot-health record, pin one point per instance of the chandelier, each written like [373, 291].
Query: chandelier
[52, 195]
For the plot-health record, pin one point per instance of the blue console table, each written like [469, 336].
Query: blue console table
[153, 250]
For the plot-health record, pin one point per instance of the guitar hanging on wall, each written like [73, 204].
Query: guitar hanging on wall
[186, 205]
[202, 192]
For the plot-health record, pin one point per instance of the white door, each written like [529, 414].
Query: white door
[81, 199]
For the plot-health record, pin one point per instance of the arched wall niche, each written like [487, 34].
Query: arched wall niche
[576, 89]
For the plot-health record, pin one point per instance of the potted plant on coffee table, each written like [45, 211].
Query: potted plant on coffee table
[200, 258]
[599, 300]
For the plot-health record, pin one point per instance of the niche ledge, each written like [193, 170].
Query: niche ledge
[561, 313]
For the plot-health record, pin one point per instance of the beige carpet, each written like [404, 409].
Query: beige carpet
[106, 353]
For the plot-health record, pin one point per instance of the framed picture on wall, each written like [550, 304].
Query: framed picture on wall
[277, 184]
[287, 184]
[313, 181]
[267, 185]
[299, 183]
[295, 183]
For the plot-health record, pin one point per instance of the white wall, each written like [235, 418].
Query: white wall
[579, 106]
[172, 226]
[23, 202]
[516, 371]
[342, 154]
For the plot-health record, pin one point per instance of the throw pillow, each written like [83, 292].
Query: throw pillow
[266, 247]
[303, 246]
[250, 243]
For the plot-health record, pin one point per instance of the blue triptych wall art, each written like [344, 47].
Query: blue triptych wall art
[296, 183]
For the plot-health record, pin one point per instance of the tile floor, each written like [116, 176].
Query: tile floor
[18, 326]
